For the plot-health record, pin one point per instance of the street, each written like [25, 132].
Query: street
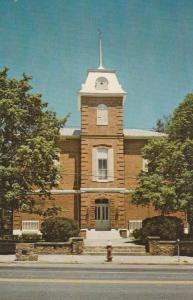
[96, 282]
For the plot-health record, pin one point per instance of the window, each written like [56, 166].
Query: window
[102, 164]
[134, 224]
[102, 114]
[30, 225]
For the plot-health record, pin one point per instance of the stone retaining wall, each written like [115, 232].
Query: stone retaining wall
[25, 252]
[73, 246]
[157, 247]
[7, 247]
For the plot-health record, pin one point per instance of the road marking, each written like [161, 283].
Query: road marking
[96, 281]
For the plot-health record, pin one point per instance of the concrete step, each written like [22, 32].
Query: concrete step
[117, 254]
[114, 252]
[117, 250]
[137, 247]
[103, 235]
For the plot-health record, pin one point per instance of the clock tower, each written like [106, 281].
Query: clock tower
[102, 198]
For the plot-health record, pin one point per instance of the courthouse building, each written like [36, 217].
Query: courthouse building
[99, 163]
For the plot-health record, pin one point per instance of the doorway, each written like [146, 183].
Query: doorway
[102, 220]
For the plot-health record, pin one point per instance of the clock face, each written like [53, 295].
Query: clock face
[101, 83]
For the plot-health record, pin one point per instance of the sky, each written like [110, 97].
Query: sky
[148, 42]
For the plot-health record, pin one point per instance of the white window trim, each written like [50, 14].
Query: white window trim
[102, 115]
[134, 224]
[110, 165]
[26, 224]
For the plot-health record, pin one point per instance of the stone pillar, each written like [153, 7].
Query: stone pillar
[25, 252]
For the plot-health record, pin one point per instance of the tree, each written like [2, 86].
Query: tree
[181, 127]
[162, 124]
[168, 184]
[28, 137]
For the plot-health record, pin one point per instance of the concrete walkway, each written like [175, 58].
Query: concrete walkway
[92, 259]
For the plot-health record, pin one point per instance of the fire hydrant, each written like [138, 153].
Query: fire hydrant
[109, 251]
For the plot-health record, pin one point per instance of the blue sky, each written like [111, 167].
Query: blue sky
[148, 42]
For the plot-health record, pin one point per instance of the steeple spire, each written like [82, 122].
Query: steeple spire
[100, 51]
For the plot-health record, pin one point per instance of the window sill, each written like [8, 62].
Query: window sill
[101, 124]
[107, 180]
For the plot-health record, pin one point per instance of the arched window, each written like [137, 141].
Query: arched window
[102, 114]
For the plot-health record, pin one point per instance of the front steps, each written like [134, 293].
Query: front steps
[96, 241]
[93, 234]
[126, 250]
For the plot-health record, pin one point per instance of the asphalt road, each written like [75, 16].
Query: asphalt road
[96, 282]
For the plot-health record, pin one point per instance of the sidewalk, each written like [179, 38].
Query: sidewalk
[94, 259]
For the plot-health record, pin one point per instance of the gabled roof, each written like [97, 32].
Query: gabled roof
[128, 133]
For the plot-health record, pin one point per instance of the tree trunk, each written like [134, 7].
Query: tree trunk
[6, 223]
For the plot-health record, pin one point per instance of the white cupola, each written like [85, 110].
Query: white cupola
[101, 82]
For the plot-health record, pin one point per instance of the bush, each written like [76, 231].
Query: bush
[166, 227]
[59, 229]
[30, 238]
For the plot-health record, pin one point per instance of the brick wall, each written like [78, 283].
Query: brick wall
[116, 205]
[133, 161]
[67, 202]
[89, 125]
[69, 163]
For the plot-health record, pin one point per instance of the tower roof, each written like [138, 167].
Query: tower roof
[102, 82]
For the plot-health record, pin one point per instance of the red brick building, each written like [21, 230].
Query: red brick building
[99, 163]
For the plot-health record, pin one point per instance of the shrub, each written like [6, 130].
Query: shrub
[59, 229]
[30, 238]
[166, 227]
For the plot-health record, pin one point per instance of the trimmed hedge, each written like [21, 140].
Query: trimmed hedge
[166, 227]
[59, 229]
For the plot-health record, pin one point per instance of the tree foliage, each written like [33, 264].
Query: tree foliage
[28, 136]
[168, 184]
[181, 127]
[162, 124]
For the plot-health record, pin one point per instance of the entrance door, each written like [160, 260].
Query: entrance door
[102, 221]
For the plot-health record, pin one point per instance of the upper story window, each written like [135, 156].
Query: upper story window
[102, 164]
[101, 83]
[102, 114]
